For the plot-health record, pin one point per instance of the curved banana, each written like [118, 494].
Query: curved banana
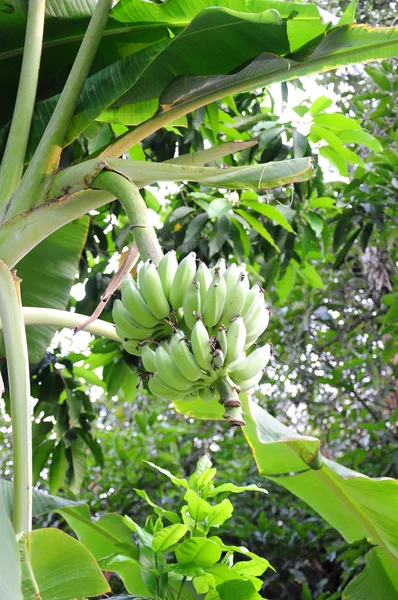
[248, 384]
[236, 339]
[231, 275]
[235, 299]
[215, 299]
[217, 360]
[158, 389]
[124, 327]
[206, 394]
[257, 325]
[141, 280]
[252, 304]
[133, 302]
[169, 372]
[155, 297]
[222, 339]
[167, 269]
[120, 313]
[200, 343]
[251, 365]
[183, 278]
[220, 265]
[204, 277]
[132, 347]
[192, 303]
[148, 358]
[184, 358]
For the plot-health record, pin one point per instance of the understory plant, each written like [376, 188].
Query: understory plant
[181, 549]
[142, 67]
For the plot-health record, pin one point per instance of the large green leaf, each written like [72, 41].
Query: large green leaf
[99, 91]
[10, 571]
[378, 581]
[357, 506]
[305, 25]
[341, 46]
[42, 503]
[66, 23]
[62, 567]
[48, 272]
[211, 44]
[103, 536]
[111, 542]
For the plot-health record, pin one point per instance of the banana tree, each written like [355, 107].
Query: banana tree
[144, 66]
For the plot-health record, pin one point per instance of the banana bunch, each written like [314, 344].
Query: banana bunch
[195, 328]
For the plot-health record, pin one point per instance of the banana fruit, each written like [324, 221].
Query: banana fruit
[194, 329]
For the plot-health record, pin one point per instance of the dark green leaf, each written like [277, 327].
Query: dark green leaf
[253, 222]
[47, 274]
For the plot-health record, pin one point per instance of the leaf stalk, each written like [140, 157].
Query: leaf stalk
[19, 385]
[137, 212]
[33, 187]
[13, 160]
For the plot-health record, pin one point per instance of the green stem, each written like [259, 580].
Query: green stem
[33, 315]
[230, 400]
[44, 163]
[19, 384]
[183, 580]
[137, 212]
[13, 160]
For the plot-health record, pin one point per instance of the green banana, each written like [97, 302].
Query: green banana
[183, 278]
[251, 365]
[231, 275]
[159, 389]
[167, 269]
[258, 325]
[204, 277]
[214, 301]
[236, 339]
[192, 303]
[132, 347]
[134, 303]
[248, 384]
[222, 338]
[120, 312]
[252, 304]
[124, 327]
[155, 297]
[217, 360]
[200, 343]
[169, 372]
[141, 280]
[220, 265]
[235, 299]
[184, 358]
[206, 394]
[148, 358]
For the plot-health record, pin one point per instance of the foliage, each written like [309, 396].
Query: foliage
[325, 256]
[200, 556]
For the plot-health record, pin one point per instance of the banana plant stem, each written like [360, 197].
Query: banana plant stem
[13, 160]
[230, 400]
[136, 210]
[19, 387]
[33, 187]
[33, 315]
